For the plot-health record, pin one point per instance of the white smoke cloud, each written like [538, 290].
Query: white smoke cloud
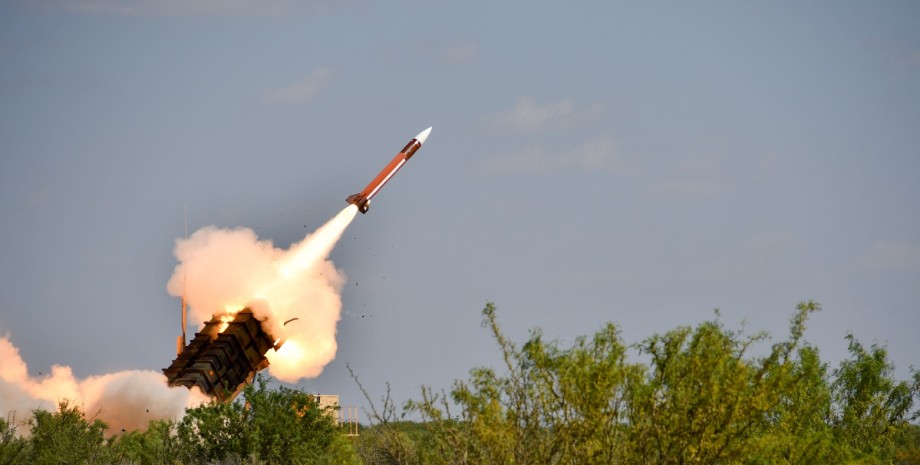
[124, 400]
[219, 269]
[223, 270]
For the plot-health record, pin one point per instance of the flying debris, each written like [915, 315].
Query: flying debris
[363, 199]
[224, 356]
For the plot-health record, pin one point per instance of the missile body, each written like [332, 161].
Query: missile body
[363, 199]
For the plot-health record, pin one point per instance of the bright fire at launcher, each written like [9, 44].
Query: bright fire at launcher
[266, 297]
[223, 357]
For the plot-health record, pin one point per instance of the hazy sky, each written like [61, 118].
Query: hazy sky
[641, 163]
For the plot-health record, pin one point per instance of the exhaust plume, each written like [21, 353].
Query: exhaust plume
[225, 270]
[126, 399]
[222, 271]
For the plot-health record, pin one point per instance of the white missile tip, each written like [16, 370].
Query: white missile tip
[423, 136]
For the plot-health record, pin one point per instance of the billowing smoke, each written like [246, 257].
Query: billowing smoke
[126, 399]
[225, 270]
[219, 271]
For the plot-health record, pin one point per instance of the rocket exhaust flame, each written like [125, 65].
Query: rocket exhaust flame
[231, 269]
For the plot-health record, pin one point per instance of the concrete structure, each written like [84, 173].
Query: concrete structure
[344, 416]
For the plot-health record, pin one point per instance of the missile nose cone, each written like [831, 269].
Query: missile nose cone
[423, 136]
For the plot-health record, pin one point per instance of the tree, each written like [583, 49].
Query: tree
[155, 446]
[707, 401]
[703, 398]
[550, 405]
[870, 408]
[281, 426]
[66, 436]
[907, 450]
[12, 446]
[213, 432]
[798, 432]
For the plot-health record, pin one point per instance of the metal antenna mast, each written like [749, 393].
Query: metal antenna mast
[182, 298]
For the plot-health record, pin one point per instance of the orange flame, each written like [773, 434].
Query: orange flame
[218, 266]
[227, 318]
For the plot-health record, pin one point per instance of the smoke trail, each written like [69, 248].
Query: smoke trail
[126, 399]
[225, 270]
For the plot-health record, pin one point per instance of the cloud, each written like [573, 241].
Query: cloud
[530, 116]
[164, 7]
[892, 257]
[301, 90]
[596, 155]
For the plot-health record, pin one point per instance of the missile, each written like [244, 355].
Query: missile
[363, 199]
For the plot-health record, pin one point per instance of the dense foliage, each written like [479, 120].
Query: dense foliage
[700, 395]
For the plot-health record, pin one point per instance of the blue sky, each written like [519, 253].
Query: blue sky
[641, 163]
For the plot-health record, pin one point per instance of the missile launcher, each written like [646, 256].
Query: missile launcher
[222, 362]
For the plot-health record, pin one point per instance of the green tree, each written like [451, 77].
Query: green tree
[280, 426]
[551, 404]
[706, 400]
[798, 432]
[155, 446]
[341, 451]
[66, 436]
[908, 446]
[703, 398]
[870, 407]
[213, 433]
[287, 425]
[12, 445]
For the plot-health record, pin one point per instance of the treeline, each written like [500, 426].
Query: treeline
[701, 395]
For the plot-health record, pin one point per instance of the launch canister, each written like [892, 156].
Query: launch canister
[363, 199]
